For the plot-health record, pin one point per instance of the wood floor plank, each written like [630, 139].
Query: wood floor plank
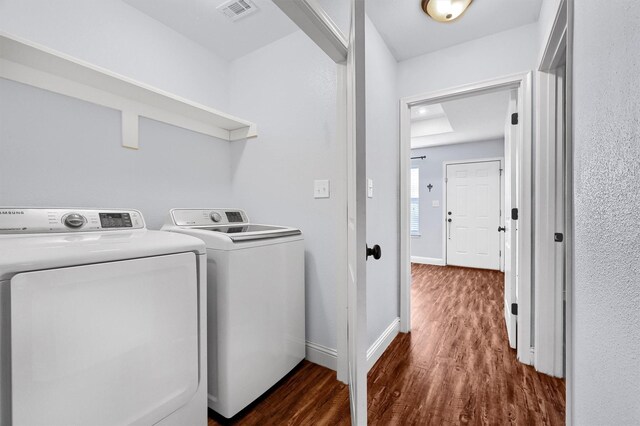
[454, 368]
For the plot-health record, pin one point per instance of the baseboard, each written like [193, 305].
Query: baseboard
[328, 357]
[382, 343]
[322, 355]
[427, 260]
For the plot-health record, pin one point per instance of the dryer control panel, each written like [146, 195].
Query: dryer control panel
[208, 217]
[37, 221]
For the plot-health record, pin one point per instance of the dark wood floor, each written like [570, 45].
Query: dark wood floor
[455, 367]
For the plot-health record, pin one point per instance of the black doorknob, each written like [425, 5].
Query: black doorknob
[501, 229]
[374, 251]
[449, 220]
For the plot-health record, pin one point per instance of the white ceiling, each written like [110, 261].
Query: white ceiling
[201, 22]
[406, 29]
[409, 32]
[475, 118]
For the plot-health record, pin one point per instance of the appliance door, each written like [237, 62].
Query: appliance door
[106, 344]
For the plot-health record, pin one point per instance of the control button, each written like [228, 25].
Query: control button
[74, 220]
[215, 216]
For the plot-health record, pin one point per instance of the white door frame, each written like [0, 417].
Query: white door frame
[521, 82]
[444, 198]
[551, 328]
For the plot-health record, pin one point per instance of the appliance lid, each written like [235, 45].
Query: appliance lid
[21, 253]
[250, 232]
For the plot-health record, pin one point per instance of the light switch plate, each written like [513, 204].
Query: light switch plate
[435, 203]
[321, 188]
[370, 188]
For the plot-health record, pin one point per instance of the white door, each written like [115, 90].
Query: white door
[356, 212]
[510, 237]
[106, 344]
[473, 215]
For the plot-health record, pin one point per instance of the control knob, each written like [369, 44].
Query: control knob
[74, 220]
[215, 216]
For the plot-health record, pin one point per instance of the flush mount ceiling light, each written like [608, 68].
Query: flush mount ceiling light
[445, 10]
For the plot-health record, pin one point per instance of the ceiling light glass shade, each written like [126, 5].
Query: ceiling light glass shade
[445, 10]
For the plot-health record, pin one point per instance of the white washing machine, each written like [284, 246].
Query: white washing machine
[256, 302]
[102, 322]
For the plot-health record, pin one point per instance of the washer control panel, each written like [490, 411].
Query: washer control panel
[208, 217]
[35, 221]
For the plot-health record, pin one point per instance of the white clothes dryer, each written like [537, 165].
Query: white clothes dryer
[256, 305]
[102, 322]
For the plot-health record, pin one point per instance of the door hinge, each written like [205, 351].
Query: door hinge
[446, 180]
[500, 253]
[558, 237]
[501, 171]
[514, 309]
[514, 118]
[514, 214]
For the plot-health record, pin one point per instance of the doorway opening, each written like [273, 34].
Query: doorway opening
[515, 120]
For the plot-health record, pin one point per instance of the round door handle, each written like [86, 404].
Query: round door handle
[501, 229]
[449, 220]
[374, 251]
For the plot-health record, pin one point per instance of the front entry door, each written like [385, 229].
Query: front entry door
[473, 215]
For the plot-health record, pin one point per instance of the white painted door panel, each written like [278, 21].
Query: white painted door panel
[105, 344]
[357, 216]
[510, 233]
[473, 201]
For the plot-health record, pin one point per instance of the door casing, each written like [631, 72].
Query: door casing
[522, 84]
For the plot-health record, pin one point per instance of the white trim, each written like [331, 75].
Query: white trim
[521, 82]
[314, 21]
[552, 259]
[321, 355]
[35, 65]
[444, 198]
[427, 261]
[381, 344]
[555, 48]
[343, 228]
[328, 357]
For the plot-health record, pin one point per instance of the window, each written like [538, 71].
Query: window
[415, 201]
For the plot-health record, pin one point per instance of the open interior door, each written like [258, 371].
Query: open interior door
[356, 212]
[511, 135]
[349, 55]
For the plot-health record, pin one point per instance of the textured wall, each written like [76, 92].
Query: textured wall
[607, 204]
[58, 151]
[429, 243]
[289, 88]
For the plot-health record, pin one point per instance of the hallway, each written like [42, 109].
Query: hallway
[455, 367]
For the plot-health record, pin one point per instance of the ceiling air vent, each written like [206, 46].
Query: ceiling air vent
[236, 9]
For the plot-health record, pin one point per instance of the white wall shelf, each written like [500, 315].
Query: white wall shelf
[39, 66]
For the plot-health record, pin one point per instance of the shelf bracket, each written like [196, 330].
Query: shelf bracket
[130, 129]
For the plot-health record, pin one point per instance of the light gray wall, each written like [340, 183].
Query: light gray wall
[58, 151]
[120, 38]
[429, 243]
[382, 167]
[606, 128]
[289, 88]
[490, 57]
